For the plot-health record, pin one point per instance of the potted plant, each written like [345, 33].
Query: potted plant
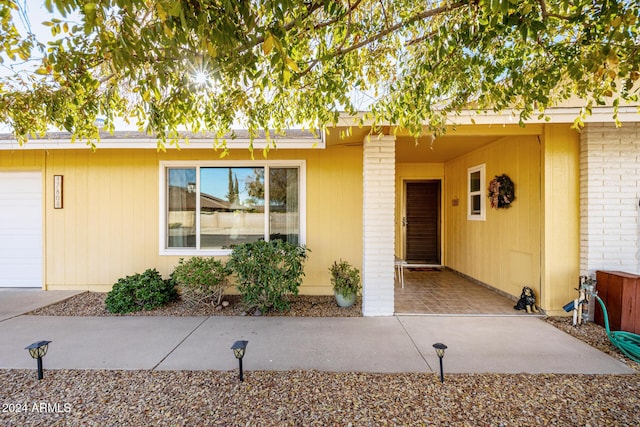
[346, 282]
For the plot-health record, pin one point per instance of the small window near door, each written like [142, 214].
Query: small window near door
[476, 200]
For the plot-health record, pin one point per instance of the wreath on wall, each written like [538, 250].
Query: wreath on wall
[501, 192]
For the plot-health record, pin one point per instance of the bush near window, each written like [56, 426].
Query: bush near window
[267, 273]
[144, 291]
[201, 280]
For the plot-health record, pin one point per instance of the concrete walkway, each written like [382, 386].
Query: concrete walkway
[14, 301]
[372, 344]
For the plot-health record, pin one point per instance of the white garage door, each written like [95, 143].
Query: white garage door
[20, 229]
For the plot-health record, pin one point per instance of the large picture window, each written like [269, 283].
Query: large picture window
[210, 207]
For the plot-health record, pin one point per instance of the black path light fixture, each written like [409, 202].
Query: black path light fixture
[37, 350]
[440, 348]
[239, 348]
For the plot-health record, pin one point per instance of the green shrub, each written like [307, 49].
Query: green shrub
[267, 273]
[140, 291]
[345, 278]
[201, 280]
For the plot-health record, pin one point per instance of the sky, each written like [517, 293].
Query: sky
[36, 13]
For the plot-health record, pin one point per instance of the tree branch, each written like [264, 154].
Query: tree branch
[260, 39]
[352, 7]
[546, 14]
[420, 39]
[420, 16]
[391, 29]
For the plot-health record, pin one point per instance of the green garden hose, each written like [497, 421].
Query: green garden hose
[627, 342]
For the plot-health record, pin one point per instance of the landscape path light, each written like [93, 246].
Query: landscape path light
[239, 348]
[440, 348]
[37, 350]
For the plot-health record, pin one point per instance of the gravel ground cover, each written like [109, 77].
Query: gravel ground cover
[311, 398]
[92, 304]
[594, 335]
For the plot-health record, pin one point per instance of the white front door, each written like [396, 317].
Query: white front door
[21, 229]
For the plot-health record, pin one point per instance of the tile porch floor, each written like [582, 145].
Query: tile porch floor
[440, 292]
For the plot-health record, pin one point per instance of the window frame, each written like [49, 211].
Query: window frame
[197, 164]
[481, 216]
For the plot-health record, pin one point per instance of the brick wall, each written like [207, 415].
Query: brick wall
[609, 197]
[378, 226]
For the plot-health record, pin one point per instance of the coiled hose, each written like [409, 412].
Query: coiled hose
[627, 342]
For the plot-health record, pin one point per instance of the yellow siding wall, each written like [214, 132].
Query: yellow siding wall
[504, 251]
[561, 202]
[411, 172]
[109, 225]
[22, 160]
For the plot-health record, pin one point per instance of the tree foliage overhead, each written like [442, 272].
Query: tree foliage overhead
[273, 64]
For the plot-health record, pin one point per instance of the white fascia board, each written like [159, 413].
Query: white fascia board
[551, 115]
[152, 143]
[626, 114]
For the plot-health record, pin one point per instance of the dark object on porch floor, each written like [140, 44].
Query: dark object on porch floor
[527, 301]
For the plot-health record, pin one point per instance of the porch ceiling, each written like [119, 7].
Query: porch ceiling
[443, 148]
[440, 150]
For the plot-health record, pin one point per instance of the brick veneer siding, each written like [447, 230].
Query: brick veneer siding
[378, 226]
[609, 196]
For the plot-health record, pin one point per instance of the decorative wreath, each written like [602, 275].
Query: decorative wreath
[501, 192]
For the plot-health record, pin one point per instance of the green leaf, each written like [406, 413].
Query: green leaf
[268, 44]
[291, 64]
[175, 9]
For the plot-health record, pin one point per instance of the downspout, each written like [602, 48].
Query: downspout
[541, 228]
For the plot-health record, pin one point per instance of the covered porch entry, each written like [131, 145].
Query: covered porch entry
[535, 242]
[449, 235]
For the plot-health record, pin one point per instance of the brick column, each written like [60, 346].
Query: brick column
[378, 226]
[609, 197]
